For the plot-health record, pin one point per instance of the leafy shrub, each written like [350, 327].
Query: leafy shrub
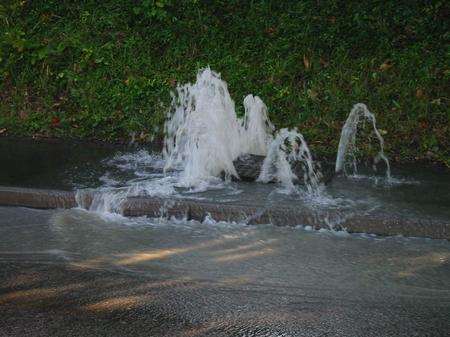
[105, 69]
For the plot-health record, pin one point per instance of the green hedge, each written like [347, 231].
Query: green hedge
[104, 69]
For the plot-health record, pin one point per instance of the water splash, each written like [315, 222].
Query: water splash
[104, 201]
[257, 128]
[204, 135]
[110, 200]
[203, 138]
[347, 144]
[289, 148]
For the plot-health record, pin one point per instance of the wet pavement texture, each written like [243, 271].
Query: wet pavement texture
[77, 273]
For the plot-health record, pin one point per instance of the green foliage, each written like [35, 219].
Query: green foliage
[105, 69]
[151, 9]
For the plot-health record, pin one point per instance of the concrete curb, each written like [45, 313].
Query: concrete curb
[36, 198]
[381, 224]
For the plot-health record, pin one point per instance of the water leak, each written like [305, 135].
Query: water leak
[346, 158]
[204, 135]
[287, 149]
[204, 138]
[257, 128]
[228, 278]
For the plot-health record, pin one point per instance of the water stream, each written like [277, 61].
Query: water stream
[238, 280]
[228, 277]
[204, 137]
[346, 157]
[287, 149]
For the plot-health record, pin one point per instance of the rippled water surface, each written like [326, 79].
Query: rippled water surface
[79, 273]
[236, 280]
[416, 191]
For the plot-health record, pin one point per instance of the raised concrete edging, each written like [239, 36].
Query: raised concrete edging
[381, 224]
[36, 198]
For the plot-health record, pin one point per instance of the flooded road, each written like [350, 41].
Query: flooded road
[77, 273]
[416, 191]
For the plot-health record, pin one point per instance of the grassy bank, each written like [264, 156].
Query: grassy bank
[104, 70]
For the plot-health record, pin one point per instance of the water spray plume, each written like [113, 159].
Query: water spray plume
[347, 144]
[258, 130]
[204, 135]
[204, 138]
[288, 149]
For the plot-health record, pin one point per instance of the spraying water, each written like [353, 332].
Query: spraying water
[290, 148]
[347, 145]
[204, 135]
[257, 128]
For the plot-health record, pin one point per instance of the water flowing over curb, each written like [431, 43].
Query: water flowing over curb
[381, 224]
